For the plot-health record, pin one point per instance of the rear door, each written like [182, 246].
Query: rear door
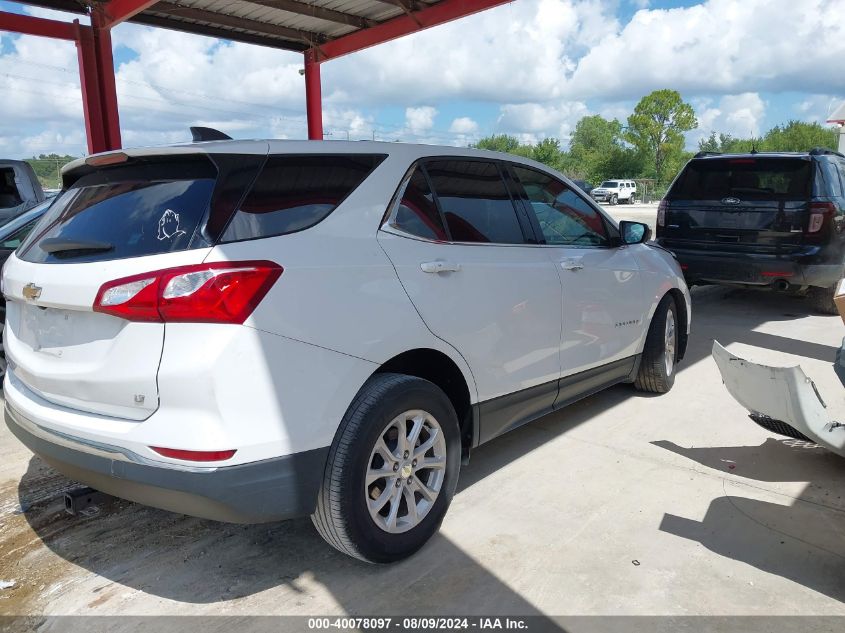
[126, 219]
[742, 204]
[460, 249]
[603, 307]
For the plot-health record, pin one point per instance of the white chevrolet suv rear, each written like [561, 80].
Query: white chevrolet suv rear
[252, 331]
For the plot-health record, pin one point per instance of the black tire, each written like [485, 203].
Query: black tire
[653, 375]
[821, 299]
[342, 517]
[614, 199]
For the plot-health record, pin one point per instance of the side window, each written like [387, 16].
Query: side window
[565, 218]
[417, 213]
[296, 192]
[840, 164]
[15, 239]
[475, 201]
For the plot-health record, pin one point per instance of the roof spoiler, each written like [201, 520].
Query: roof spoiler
[199, 134]
[823, 151]
[703, 154]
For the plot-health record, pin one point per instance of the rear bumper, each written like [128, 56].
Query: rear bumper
[755, 270]
[269, 490]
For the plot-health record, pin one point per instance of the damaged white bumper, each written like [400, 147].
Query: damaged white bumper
[781, 399]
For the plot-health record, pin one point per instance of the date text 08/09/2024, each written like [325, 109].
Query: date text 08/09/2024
[417, 623]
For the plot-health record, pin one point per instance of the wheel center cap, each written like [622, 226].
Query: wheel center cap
[406, 471]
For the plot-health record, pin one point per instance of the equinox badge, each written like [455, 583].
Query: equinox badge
[31, 291]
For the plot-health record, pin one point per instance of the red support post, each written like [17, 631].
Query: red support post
[105, 74]
[313, 97]
[95, 129]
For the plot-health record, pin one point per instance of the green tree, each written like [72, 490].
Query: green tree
[548, 152]
[797, 136]
[596, 151]
[656, 129]
[504, 143]
[48, 167]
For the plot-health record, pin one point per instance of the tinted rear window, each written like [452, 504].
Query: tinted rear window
[744, 178]
[475, 201]
[293, 193]
[138, 210]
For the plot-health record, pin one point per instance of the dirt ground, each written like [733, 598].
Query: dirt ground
[621, 504]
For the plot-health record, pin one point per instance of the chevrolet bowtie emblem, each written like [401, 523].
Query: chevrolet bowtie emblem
[31, 291]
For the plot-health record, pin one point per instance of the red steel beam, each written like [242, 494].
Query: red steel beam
[105, 78]
[440, 13]
[95, 129]
[117, 11]
[29, 25]
[313, 97]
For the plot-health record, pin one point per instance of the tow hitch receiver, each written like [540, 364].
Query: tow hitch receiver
[79, 499]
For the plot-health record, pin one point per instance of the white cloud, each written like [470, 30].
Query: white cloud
[720, 46]
[420, 120]
[463, 125]
[818, 108]
[538, 121]
[739, 115]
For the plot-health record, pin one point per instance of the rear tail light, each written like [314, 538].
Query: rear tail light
[661, 213]
[818, 212]
[220, 292]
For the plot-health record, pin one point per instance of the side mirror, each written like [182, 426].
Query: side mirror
[634, 232]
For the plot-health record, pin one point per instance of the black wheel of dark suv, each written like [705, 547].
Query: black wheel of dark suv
[391, 471]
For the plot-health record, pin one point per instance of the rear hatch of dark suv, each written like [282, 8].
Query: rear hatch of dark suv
[739, 208]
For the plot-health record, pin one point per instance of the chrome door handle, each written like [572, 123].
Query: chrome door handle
[571, 264]
[439, 267]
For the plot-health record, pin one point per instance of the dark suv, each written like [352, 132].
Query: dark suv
[760, 220]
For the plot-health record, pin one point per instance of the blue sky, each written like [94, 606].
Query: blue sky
[531, 68]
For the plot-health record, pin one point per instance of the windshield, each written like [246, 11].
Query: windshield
[610, 183]
[745, 179]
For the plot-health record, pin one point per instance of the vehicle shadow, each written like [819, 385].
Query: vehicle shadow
[201, 562]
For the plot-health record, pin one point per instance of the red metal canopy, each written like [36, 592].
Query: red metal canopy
[321, 29]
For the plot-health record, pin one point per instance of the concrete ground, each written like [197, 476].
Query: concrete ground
[623, 503]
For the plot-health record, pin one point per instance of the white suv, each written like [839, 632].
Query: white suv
[252, 331]
[615, 191]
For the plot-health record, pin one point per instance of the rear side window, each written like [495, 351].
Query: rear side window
[293, 193]
[125, 211]
[9, 196]
[475, 201]
[564, 217]
[829, 185]
[744, 178]
[417, 212]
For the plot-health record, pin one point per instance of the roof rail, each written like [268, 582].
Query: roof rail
[703, 154]
[821, 151]
[199, 134]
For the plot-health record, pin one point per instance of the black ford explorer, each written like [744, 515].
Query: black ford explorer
[762, 219]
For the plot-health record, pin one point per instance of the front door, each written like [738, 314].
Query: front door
[459, 248]
[602, 303]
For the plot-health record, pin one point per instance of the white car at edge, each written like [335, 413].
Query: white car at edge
[251, 331]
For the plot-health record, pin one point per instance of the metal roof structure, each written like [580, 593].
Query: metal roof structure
[838, 115]
[320, 29]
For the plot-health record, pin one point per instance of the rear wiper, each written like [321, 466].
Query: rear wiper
[60, 245]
